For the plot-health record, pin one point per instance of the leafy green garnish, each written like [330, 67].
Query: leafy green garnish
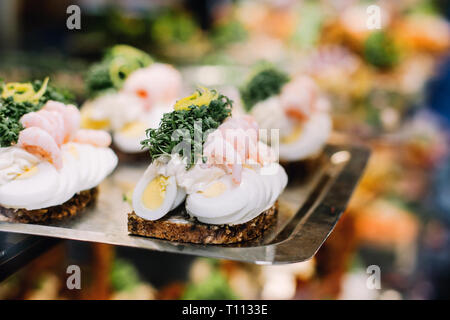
[55, 94]
[160, 141]
[117, 64]
[124, 276]
[9, 131]
[229, 32]
[97, 78]
[266, 83]
[214, 287]
[381, 51]
[174, 27]
[11, 111]
[425, 7]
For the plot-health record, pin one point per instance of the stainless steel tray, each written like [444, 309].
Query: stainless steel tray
[309, 209]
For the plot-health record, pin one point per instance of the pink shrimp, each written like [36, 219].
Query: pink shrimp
[221, 153]
[233, 144]
[237, 173]
[98, 138]
[57, 121]
[51, 122]
[265, 154]
[35, 119]
[158, 83]
[71, 116]
[242, 133]
[299, 97]
[40, 143]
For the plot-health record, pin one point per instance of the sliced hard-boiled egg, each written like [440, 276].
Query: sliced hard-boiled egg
[31, 188]
[92, 164]
[273, 181]
[88, 122]
[219, 198]
[307, 140]
[293, 136]
[128, 139]
[68, 177]
[154, 196]
[255, 194]
[181, 195]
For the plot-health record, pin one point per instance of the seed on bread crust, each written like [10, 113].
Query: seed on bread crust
[179, 227]
[69, 209]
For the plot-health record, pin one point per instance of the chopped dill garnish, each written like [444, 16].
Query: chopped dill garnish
[160, 141]
[11, 111]
[264, 84]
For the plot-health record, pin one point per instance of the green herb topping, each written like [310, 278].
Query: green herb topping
[17, 99]
[264, 84]
[118, 63]
[208, 114]
[380, 50]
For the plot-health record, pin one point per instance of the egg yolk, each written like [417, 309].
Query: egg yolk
[293, 136]
[155, 192]
[88, 123]
[214, 190]
[28, 173]
[133, 129]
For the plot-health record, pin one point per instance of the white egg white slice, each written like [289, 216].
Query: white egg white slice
[278, 181]
[181, 195]
[232, 199]
[111, 161]
[168, 201]
[311, 140]
[68, 177]
[258, 205]
[107, 162]
[83, 159]
[87, 165]
[93, 167]
[92, 164]
[255, 196]
[30, 190]
[275, 181]
[128, 144]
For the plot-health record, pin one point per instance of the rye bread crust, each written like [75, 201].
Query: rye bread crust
[179, 227]
[67, 210]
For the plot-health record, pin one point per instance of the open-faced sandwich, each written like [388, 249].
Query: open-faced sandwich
[295, 106]
[49, 167]
[128, 94]
[211, 180]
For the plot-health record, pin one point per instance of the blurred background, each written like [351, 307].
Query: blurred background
[389, 89]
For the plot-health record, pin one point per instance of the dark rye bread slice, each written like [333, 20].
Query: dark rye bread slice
[178, 226]
[66, 210]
